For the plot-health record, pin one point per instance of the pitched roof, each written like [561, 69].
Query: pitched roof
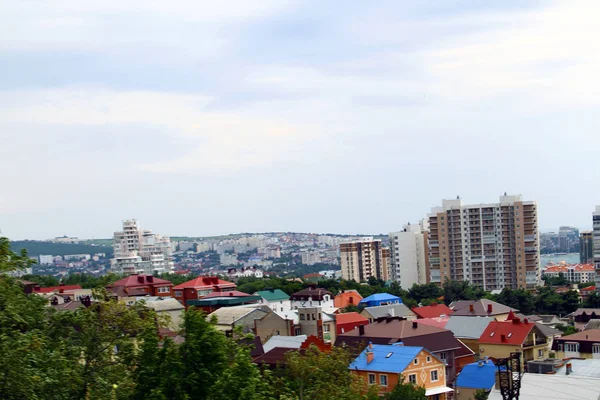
[592, 324]
[433, 310]
[546, 330]
[589, 335]
[480, 308]
[205, 282]
[288, 342]
[229, 315]
[587, 311]
[410, 332]
[506, 332]
[310, 292]
[348, 318]
[273, 294]
[166, 304]
[275, 356]
[57, 288]
[71, 305]
[386, 358]
[439, 322]
[343, 299]
[390, 310]
[468, 327]
[477, 375]
[381, 297]
[141, 280]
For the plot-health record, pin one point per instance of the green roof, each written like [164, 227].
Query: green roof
[273, 295]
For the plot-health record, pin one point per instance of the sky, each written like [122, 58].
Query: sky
[206, 118]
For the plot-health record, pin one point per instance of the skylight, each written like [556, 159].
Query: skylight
[389, 354]
[510, 334]
[492, 334]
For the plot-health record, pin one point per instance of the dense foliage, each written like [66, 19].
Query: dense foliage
[35, 248]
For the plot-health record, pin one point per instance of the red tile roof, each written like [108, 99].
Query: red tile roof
[57, 288]
[141, 280]
[348, 318]
[574, 267]
[512, 332]
[432, 311]
[205, 282]
[439, 322]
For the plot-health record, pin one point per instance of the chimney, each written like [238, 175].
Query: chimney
[503, 337]
[370, 356]
[516, 321]
[392, 312]
[86, 301]
[361, 330]
[140, 279]
[414, 324]
[471, 308]
[525, 321]
[150, 278]
[231, 293]
[569, 369]
[489, 308]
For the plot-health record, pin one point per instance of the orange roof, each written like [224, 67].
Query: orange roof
[348, 318]
[432, 311]
[574, 267]
[343, 299]
[205, 282]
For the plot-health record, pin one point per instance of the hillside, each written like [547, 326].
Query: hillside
[35, 248]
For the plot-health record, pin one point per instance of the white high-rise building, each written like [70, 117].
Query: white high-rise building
[409, 255]
[596, 246]
[364, 258]
[140, 251]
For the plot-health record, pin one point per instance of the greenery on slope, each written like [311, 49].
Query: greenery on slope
[34, 248]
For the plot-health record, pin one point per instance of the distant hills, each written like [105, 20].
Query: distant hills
[35, 248]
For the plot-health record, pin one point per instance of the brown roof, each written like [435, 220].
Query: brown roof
[71, 306]
[587, 311]
[311, 292]
[275, 356]
[480, 308]
[122, 291]
[592, 335]
[411, 333]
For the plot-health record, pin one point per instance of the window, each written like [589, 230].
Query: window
[428, 359]
[297, 331]
[412, 378]
[444, 358]
[178, 293]
[164, 289]
[383, 380]
[416, 361]
[596, 349]
[434, 376]
[541, 353]
[301, 317]
[371, 379]
[326, 328]
[572, 347]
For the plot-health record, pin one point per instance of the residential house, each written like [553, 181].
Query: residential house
[288, 342]
[199, 287]
[275, 299]
[387, 365]
[141, 285]
[347, 298]
[582, 316]
[214, 301]
[468, 330]
[380, 299]
[480, 375]
[311, 321]
[432, 311]
[501, 338]
[393, 310]
[481, 308]
[312, 296]
[167, 306]
[276, 348]
[314, 321]
[584, 344]
[348, 321]
[392, 330]
[230, 317]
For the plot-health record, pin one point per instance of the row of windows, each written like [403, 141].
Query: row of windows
[412, 378]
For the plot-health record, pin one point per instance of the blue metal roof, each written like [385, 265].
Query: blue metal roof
[474, 376]
[387, 358]
[381, 297]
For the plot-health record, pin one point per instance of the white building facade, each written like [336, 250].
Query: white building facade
[596, 222]
[409, 251]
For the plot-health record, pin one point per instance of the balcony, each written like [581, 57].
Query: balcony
[529, 238]
[531, 343]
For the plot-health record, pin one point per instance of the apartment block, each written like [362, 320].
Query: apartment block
[596, 244]
[365, 258]
[409, 255]
[490, 245]
[140, 251]
[586, 247]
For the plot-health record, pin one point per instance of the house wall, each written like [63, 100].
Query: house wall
[368, 316]
[422, 371]
[278, 305]
[271, 325]
[347, 327]
[501, 317]
[473, 344]
[504, 350]
[329, 332]
[465, 393]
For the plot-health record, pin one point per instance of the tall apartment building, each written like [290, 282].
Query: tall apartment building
[596, 245]
[586, 247]
[490, 245]
[409, 255]
[364, 258]
[140, 251]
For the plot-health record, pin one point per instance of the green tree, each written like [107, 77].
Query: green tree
[426, 291]
[566, 329]
[406, 391]
[481, 394]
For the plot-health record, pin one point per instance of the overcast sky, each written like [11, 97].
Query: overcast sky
[215, 117]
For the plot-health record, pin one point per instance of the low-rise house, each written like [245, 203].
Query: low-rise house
[277, 323]
[312, 296]
[228, 318]
[347, 298]
[392, 330]
[288, 342]
[166, 306]
[584, 344]
[468, 330]
[310, 321]
[380, 299]
[582, 316]
[481, 308]
[387, 365]
[476, 376]
[549, 320]
[216, 300]
[200, 287]
[141, 285]
[393, 310]
[501, 338]
[348, 321]
[432, 311]
[275, 299]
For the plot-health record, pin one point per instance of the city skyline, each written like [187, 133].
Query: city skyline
[208, 119]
